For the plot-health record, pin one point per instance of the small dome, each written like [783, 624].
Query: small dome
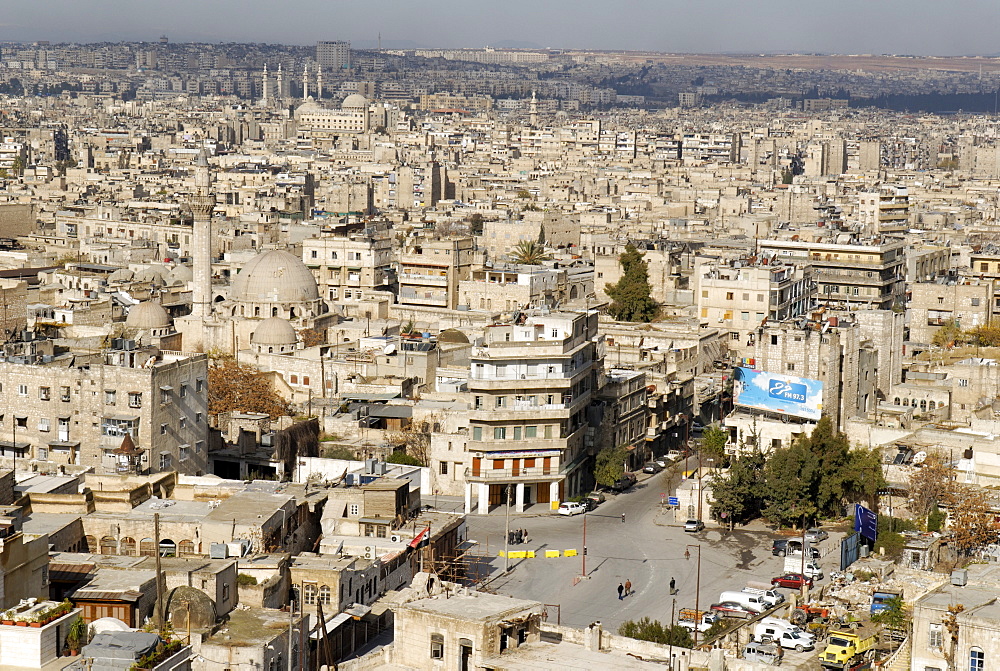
[181, 275]
[274, 277]
[354, 100]
[153, 275]
[121, 275]
[452, 335]
[309, 107]
[147, 315]
[188, 606]
[103, 624]
[274, 331]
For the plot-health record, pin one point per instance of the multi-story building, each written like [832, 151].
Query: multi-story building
[849, 276]
[965, 302]
[739, 295]
[77, 408]
[625, 415]
[333, 54]
[509, 288]
[531, 384]
[885, 211]
[430, 270]
[347, 261]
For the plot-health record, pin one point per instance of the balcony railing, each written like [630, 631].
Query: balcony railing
[487, 473]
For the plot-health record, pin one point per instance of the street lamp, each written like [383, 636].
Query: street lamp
[697, 588]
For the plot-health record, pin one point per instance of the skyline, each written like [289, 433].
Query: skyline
[714, 26]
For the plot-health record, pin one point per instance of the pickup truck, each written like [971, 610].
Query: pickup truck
[847, 647]
[688, 616]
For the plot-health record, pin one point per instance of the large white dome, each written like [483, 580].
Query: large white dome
[354, 100]
[147, 315]
[274, 331]
[274, 277]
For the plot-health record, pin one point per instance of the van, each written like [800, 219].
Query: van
[770, 595]
[810, 568]
[767, 632]
[751, 602]
[765, 653]
[785, 625]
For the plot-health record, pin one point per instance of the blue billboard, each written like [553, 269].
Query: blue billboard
[865, 522]
[774, 392]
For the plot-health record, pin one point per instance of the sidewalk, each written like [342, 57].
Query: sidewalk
[456, 504]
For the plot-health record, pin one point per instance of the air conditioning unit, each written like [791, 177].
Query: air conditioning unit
[219, 551]
[369, 552]
[960, 577]
[395, 538]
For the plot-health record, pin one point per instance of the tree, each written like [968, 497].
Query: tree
[631, 295]
[972, 523]
[476, 223]
[17, 167]
[788, 478]
[895, 616]
[864, 476]
[713, 444]
[541, 234]
[930, 485]
[415, 443]
[610, 466]
[646, 629]
[946, 336]
[403, 458]
[985, 335]
[238, 387]
[951, 625]
[739, 494]
[529, 253]
[312, 337]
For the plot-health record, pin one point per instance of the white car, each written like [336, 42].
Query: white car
[571, 508]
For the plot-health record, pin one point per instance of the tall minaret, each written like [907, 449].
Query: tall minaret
[319, 82]
[265, 84]
[305, 81]
[202, 204]
[533, 113]
[281, 84]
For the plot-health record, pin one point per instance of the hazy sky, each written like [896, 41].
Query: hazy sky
[840, 26]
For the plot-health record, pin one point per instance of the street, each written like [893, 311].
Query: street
[648, 549]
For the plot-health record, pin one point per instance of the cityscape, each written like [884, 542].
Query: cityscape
[385, 356]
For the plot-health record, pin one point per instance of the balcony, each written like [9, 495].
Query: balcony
[431, 280]
[502, 475]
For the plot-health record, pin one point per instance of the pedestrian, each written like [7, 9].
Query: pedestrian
[520, 536]
[623, 518]
[524, 535]
[510, 538]
[673, 588]
[621, 588]
[628, 587]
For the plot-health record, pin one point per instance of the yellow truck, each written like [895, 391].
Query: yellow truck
[849, 649]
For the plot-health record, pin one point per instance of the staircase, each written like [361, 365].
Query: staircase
[899, 660]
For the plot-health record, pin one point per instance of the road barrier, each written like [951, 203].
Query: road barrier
[530, 554]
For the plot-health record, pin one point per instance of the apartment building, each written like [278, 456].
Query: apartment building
[334, 54]
[531, 384]
[506, 288]
[738, 295]
[430, 270]
[348, 261]
[850, 276]
[931, 305]
[622, 416]
[886, 210]
[68, 407]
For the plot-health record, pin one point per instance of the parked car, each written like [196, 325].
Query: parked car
[731, 609]
[589, 504]
[662, 462]
[624, 482]
[791, 580]
[694, 526]
[816, 535]
[571, 508]
[597, 497]
[652, 467]
[792, 546]
[674, 455]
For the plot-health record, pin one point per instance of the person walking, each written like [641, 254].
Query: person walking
[623, 518]
[673, 588]
[621, 588]
[628, 587]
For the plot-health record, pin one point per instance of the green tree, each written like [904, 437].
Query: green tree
[788, 477]
[646, 629]
[895, 616]
[17, 167]
[524, 194]
[739, 493]
[631, 295]
[403, 458]
[786, 176]
[541, 234]
[864, 476]
[713, 444]
[529, 253]
[610, 465]
[947, 336]
[476, 223]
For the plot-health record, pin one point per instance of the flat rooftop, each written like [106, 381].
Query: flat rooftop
[479, 606]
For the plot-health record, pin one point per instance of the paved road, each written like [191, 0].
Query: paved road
[647, 549]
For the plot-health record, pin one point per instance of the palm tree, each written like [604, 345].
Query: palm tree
[529, 253]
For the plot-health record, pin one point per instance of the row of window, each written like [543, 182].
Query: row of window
[134, 398]
[351, 256]
[516, 432]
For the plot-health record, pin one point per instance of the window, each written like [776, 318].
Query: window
[305, 380]
[774, 340]
[530, 431]
[324, 595]
[501, 401]
[962, 382]
[134, 399]
[975, 302]
[444, 468]
[22, 390]
[977, 659]
[499, 432]
[43, 453]
[704, 293]
[477, 433]
[309, 592]
[548, 431]
[729, 295]
[517, 433]
[165, 462]
[745, 316]
[163, 429]
[354, 508]
[182, 392]
[185, 452]
[43, 424]
[313, 253]
[182, 422]
[22, 422]
[746, 297]
[198, 417]
[110, 396]
[437, 646]
[478, 403]
[64, 394]
[789, 366]
[45, 393]
[199, 384]
[935, 635]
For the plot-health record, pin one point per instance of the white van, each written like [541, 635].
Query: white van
[764, 653]
[769, 633]
[785, 625]
[752, 602]
[811, 569]
[770, 595]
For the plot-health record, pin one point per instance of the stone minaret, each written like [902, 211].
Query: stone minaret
[319, 82]
[533, 110]
[281, 84]
[265, 84]
[202, 204]
[305, 82]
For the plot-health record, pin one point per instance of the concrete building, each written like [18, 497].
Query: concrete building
[350, 262]
[965, 302]
[333, 54]
[531, 384]
[885, 211]
[430, 270]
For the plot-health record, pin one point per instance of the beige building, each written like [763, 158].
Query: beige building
[886, 210]
[965, 302]
[348, 262]
[430, 270]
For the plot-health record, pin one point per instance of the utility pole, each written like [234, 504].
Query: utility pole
[159, 573]
[291, 618]
[584, 557]
[697, 589]
[506, 538]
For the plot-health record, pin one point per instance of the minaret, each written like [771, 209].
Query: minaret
[265, 84]
[281, 82]
[533, 110]
[202, 204]
[305, 81]
[319, 82]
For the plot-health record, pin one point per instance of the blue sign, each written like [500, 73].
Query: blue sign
[673, 500]
[774, 392]
[865, 521]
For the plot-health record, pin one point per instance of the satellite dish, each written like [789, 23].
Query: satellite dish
[389, 349]
[919, 457]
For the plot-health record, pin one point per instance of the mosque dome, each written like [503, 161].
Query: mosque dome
[274, 331]
[147, 315]
[153, 275]
[121, 275]
[181, 275]
[310, 106]
[274, 277]
[354, 100]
